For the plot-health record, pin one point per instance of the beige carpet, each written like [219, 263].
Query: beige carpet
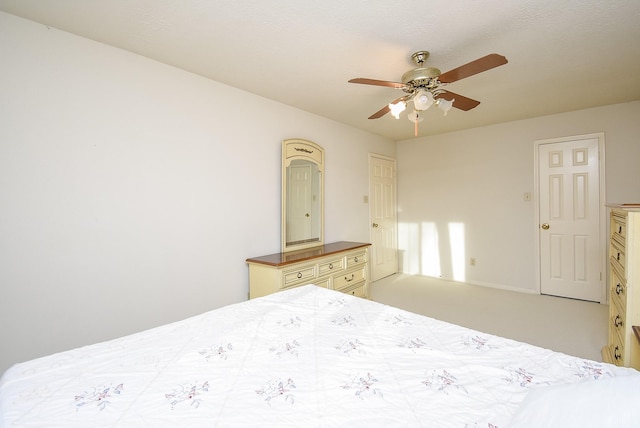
[571, 326]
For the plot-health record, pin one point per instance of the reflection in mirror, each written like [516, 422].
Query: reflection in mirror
[302, 195]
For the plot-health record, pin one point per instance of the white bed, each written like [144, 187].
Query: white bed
[309, 357]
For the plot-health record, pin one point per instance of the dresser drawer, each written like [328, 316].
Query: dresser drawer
[356, 259]
[618, 291]
[340, 282]
[357, 290]
[617, 322]
[617, 252]
[612, 354]
[297, 275]
[619, 228]
[617, 352]
[331, 266]
[324, 283]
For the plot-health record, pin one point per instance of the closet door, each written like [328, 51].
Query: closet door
[383, 217]
[569, 218]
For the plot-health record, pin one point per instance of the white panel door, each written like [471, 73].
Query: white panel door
[382, 212]
[300, 203]
[569, 216]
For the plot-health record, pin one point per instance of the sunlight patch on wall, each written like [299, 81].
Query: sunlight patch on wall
[419, 244]
[456, 242]
[430, 250]
[409, 243]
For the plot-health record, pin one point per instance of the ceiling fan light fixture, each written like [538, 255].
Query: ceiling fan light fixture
[397, 108]
[445, 105]
[423, 100]
[415, 117]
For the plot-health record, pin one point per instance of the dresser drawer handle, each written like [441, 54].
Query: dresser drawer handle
[299, 274]
[620, 229]
[618, 256]
[616, 353]
[349, 280]
[355, 259]
[618, 321]
[619, 289]
[330, 265]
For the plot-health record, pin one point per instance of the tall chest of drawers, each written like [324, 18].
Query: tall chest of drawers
[341, 266]
[623, 347]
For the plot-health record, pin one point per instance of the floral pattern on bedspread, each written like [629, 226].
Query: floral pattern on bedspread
[522, 377]
[478, 342]
[442, 381]
[363, 386]
[289, 348]
[99, 396]
[589, 369]
[351, 346]
[188, 392]
[278, 389]
[304, 357]
[216, 352]
[413, 344]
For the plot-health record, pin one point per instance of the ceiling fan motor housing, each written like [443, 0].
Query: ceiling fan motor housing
[422, 76]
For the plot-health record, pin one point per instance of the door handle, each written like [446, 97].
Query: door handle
[545, 226]
[374, 225]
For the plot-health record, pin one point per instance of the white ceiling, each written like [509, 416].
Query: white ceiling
[563, 54]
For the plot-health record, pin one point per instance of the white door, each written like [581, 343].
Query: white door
[300, 203]
[569, 217]
[383, 216]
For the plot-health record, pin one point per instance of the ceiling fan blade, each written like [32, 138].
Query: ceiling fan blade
[364, 81]
[474, 67]
[460, 102]
[386, 109]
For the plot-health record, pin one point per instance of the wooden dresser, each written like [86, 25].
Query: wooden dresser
[341, 266]
[623, 347]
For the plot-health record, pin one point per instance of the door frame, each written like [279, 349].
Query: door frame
[604, 223]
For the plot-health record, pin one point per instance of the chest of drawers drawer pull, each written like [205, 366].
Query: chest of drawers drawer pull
[619, 289]
[616, 353]
[618, 321]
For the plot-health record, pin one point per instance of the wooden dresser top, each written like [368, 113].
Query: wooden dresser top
[283, 259]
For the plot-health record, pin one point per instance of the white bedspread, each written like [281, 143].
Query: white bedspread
[308, 357]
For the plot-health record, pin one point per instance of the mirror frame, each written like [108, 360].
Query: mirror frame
[299, 149]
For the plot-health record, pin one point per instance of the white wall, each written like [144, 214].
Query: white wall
[475, 180]
[132, 192]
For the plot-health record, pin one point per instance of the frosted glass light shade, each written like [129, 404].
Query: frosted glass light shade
[423, 100]
[445, 105]
[397, 108]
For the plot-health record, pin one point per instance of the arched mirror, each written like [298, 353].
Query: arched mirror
[302, 195]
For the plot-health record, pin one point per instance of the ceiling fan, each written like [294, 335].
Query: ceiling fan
[425, 86]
